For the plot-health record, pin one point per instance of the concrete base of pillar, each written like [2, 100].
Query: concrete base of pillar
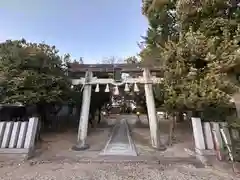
[160, 148]
[205, 152]
[80, 147]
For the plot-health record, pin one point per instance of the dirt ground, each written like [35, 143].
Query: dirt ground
[58, 145]
[54, 159]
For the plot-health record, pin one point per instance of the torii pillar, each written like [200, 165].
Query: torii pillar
[83, 122]
[152, 115]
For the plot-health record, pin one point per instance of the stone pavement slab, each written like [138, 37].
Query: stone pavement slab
[120, 142]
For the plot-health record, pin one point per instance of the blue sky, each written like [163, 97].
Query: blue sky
[92, 29]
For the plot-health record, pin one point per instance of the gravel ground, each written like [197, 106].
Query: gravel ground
[76, 171]
[57, 162]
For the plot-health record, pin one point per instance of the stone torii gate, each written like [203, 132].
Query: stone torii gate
[146, 79]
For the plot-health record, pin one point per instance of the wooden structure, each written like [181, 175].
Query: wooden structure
[88, 75]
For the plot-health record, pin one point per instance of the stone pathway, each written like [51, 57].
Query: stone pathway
[120, 142]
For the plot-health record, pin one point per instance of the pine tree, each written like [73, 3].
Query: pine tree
[162, 27]
[199, 64]
[197, 73]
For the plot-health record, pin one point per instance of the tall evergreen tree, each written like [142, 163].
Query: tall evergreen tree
[162, 27]
[198, 64]
[33, 74]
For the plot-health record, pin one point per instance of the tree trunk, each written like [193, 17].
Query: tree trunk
[196, 114]
[42, 119]
[78, 114]
[180, 117]
[57, 124]
[99, 115]
[171, 129]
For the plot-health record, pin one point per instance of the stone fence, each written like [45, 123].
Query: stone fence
[18, 137]
[211, 138]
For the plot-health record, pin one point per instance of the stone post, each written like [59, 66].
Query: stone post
[7, 135]
[207, 131]
[152, 115]
[198, 134]
[14, 135]
[83, 123]
[31, 133]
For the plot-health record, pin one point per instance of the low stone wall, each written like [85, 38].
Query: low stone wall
[212, 137]
[18, 137]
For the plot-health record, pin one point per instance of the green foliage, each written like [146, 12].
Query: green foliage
[162, 27]
[32, 73]
[208, 16]
[197, 65]
[131, 60]
[197, 72]
[162, 21]
[234, 123]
